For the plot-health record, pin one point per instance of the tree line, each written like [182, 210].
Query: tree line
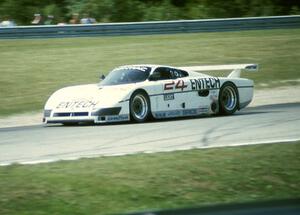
[22, 11]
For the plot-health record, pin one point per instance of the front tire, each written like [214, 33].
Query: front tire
[228, 99]
[139, 106]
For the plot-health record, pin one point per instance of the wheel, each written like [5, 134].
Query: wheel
[139, 106]
[228, 99]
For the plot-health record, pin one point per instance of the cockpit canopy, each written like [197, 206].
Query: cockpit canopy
[126, 75]
[134, 74]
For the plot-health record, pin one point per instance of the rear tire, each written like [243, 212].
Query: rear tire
[139, 106]
[228, 99]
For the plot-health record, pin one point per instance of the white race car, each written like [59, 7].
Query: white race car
[140, 92]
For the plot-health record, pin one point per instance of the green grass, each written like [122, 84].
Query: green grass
[31, 70]
[153, 181]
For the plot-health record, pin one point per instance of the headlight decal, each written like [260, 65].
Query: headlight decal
[47, 113]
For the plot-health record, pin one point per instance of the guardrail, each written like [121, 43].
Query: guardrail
[145, 28]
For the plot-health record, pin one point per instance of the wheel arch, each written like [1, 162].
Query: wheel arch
[139, 90]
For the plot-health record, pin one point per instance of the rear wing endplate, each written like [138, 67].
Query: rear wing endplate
[236, 69]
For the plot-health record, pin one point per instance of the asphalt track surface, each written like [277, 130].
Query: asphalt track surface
[254, 125]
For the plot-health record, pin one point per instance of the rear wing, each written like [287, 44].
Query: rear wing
[236, 69]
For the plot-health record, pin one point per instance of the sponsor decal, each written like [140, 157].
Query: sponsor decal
[112, 118]
[189, 112]
[205, 83]
[186, 112]
[173, 113]
[169, 96]
[204, 109]
[175, 85]
[117, 118]
[160, 114]
[141, 68]
[76, 104]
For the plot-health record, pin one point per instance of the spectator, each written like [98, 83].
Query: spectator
[49, 20]
[61, 22]
[7, 23]
[38, 19]
[87, 20]
[75, 19]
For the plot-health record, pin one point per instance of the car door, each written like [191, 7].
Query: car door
[169, 102]
[179, 98]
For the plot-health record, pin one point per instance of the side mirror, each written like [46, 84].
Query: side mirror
[102, 77]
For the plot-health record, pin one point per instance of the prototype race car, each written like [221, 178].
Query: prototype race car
[140, 92]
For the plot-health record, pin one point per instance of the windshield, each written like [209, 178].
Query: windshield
[126, 75]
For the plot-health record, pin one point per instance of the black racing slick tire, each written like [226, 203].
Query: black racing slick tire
[139, 106]
[228, 99]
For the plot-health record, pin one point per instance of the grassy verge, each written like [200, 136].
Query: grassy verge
[31, 70]
[154, 181]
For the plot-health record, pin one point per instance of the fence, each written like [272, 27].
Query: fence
[147, 28]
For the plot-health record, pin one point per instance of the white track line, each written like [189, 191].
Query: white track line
[32, 162]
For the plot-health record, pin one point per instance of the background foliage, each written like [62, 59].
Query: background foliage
[21, 11]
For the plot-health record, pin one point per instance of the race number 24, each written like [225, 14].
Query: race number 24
[175, 85]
